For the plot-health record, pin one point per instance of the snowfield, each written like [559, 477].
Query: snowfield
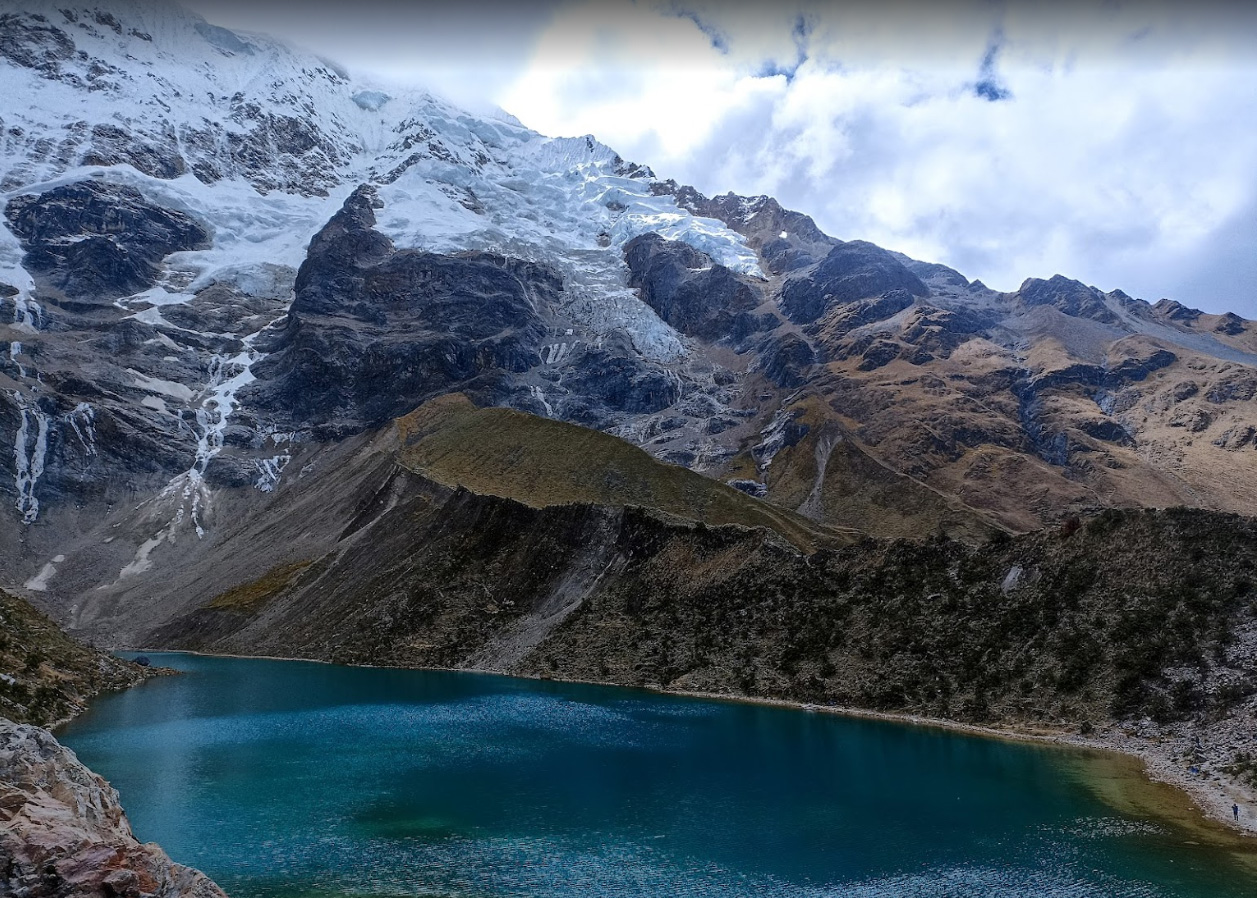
[261, 144]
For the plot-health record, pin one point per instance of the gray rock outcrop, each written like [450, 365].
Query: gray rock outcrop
[99, 241]
[691, 291]
[851, 272]
[63, 833]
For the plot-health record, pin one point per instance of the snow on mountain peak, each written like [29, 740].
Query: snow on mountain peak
[154, 87]
[260, 144]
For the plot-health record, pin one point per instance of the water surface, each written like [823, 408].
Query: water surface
[282, 778]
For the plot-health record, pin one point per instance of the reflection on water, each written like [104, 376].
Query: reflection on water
[286, 778]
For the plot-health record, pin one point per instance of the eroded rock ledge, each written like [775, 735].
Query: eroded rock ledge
[63, 833]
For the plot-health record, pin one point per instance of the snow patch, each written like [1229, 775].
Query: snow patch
[83, 422]
[540, 396]
[15, 350]
[223, 38]
[773, 439]
[142, 562]
[165, 387]
[30, 448]
[39, 583]
[371, 100]
[269, 470]
[27, 313]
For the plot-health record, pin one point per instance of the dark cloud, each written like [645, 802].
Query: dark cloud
[719, 40]
[988, 86]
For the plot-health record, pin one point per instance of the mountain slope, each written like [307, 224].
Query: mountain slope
[501, 452]
[223, 260]
[47, 677]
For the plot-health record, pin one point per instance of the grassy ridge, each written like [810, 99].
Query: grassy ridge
[45, 676]
[540, 462]
[251, 596]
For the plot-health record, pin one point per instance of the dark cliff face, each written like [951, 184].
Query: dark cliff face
[851, 272]
[787, 359]
[96, 241]
[689, 291]
[1070, 296]
[373, 331]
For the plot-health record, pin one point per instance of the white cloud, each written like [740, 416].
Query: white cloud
[1127, 142]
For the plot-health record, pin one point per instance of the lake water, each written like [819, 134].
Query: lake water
[283, 778]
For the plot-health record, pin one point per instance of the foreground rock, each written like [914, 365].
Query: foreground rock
[63, 832]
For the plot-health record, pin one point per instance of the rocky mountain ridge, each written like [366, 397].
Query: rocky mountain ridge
[227, 262]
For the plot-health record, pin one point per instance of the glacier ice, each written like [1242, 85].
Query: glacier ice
[159, 103]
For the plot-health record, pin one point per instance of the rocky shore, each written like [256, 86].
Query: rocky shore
[63, 833]
[1194, 761]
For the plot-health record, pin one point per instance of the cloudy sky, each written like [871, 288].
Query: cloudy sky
[1112, 142]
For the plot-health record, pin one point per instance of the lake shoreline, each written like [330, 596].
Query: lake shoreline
[1211, 799]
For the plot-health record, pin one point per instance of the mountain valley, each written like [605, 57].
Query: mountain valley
[295, 366]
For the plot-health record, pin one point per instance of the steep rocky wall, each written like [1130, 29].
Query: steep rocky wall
[63, 833]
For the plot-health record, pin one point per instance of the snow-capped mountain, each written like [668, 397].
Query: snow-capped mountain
[222, 259]
[164, 177]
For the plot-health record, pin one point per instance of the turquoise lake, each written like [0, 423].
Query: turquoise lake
[283, 778]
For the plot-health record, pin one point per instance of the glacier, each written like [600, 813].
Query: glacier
[261, 143]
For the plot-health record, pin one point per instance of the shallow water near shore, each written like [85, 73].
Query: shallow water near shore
[284, 778]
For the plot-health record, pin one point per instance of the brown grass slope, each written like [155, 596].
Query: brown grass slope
[829, 476]
[540, 462]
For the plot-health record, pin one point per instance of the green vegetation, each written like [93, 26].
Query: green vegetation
[252, 596]
[1135, 616]
[540, 463]
[45, 676]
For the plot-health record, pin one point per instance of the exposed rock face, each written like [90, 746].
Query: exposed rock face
[63, 833]
[99, 241]
[608, 381]
[373, 332]
[851, 272]
[1070, 296]
[787, 359]
[690, 291]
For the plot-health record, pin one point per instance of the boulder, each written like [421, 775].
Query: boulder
[63, 833]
